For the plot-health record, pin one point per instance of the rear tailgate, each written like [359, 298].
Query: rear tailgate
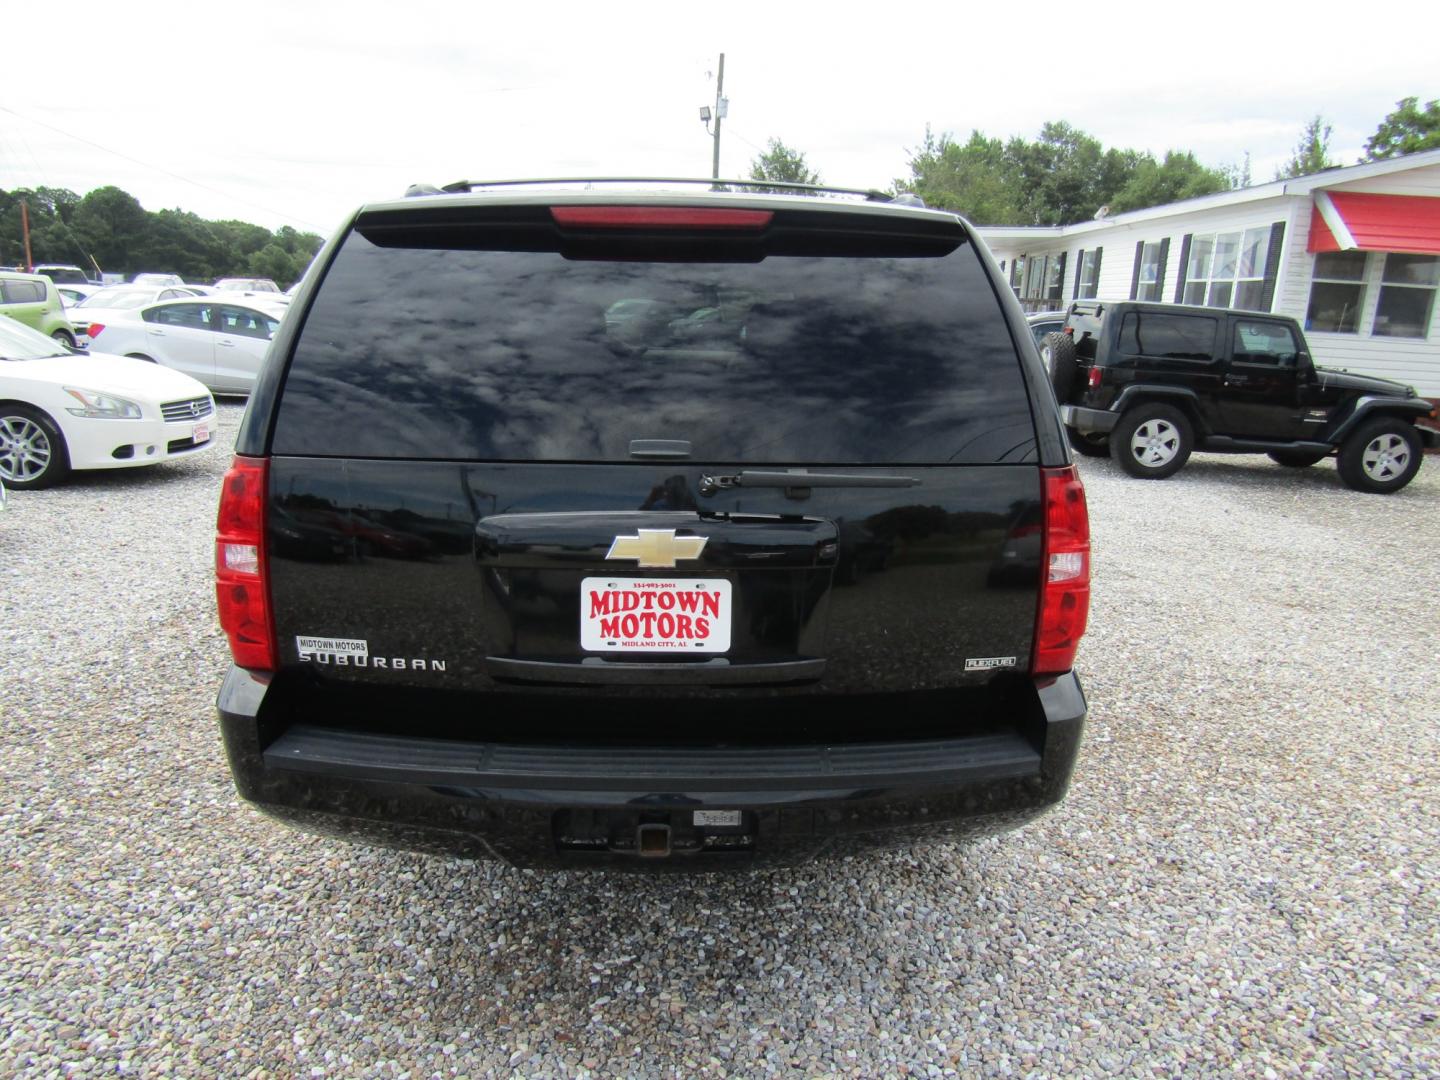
[567, 444]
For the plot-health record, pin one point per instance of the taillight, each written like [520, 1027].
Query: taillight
[1065, 573]
[94, 329]
[659, 217]
[1092, 378]
[241, 590]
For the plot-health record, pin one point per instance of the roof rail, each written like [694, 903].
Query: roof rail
[870, 194]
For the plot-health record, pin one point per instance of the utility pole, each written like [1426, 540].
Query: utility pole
[719, 113]
[25, 217]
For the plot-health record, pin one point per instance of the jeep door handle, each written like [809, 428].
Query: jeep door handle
[1236, 380]
[156, 333]
[226, 344]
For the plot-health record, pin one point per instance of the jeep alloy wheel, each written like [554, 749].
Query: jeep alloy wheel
[1385, 457]
[1151, 441]
[1381, 457]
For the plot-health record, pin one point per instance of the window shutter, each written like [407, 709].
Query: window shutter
[1059, 291]
[1135, 275]
[1183, 268]
[1079, 269]
[1272, 266]
[1160, 269]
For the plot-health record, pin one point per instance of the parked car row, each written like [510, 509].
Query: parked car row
[62, 410]
[218, 337]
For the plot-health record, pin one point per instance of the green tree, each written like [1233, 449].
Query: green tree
[1062, 175]
[1406, 130]
[1237, 176]
[126, 239]
[1312, 152]
[1178, 177]
[973, 179]
[112, 225]
[780, 162]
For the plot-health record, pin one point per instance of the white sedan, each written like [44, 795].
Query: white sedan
[103, 303]
[219, 340]
[61, 410]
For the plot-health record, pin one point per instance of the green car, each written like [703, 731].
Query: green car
[32, 300]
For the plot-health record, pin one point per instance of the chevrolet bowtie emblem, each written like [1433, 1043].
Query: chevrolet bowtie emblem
[657, 547]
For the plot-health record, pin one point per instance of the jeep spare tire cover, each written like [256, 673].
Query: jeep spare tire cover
[1059, 352]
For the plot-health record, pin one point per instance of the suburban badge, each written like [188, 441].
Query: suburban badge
[657, 547]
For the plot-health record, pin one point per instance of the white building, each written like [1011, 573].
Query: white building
[1353, 254]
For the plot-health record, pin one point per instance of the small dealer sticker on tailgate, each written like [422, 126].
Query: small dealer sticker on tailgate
[655, 615]
[331, 646]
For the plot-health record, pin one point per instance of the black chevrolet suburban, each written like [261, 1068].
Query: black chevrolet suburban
[652, 526]
[1149, 382]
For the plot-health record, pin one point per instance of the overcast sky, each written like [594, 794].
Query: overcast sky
[296, 113]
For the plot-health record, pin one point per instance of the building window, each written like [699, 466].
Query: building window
[1228, 269]
[1089, 280]
[1337, 293]
[1150, 272]
[1054, 275]
[1036, 280]
[1407, 295]
[1035, 277]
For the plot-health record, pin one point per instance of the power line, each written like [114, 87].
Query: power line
[746, 141]
[166, 172]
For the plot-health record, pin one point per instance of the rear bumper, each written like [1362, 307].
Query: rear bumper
[1089, 421]
[648, 808]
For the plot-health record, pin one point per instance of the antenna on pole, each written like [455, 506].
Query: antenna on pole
[722, 109]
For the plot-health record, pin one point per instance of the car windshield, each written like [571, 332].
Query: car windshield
[71, 275]
[21, 343]
[118, 297]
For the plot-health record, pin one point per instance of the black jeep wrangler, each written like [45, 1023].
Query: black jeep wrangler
[1148, 383]
[648, 527]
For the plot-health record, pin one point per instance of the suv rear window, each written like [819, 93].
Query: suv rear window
[815, 345]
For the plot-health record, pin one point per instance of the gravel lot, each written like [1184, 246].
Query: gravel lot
[1242, 882]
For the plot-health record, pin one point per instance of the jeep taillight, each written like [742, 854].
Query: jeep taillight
[1092, 378]
[241, 589]
[1065, 573]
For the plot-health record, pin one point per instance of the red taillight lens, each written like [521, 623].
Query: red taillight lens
[1065, 573]
[94, 329]
[659, 217]
[242, 592]
[1092, 378]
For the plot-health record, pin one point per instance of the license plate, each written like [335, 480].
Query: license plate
[202, 434]
[662, 615]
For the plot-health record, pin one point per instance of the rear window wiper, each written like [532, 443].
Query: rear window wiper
[761, 478]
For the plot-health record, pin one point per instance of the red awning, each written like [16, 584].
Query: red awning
[1356, 221]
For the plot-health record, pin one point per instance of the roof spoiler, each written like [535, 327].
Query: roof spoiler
[904, 198]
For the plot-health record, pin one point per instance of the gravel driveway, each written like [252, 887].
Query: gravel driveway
[1243, 880]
